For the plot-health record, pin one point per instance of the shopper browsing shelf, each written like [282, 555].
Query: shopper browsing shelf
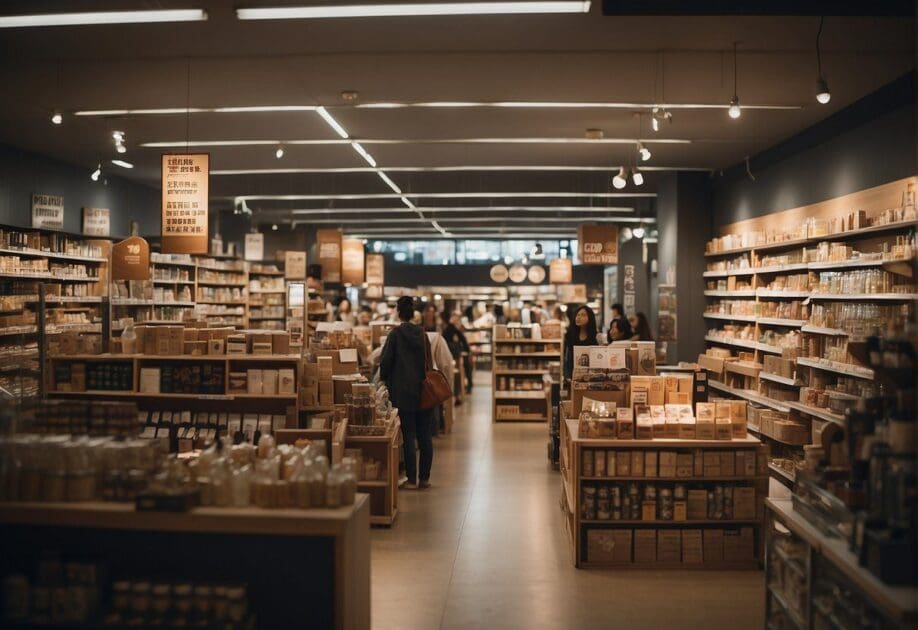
[619, 328]
[640, 328]
[582, 332]
[443, 361]
[457, 344]
[345, 313]
[402, 369]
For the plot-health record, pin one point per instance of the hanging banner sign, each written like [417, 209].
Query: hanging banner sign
[352, 261]
[561, 271]
[598, 244]
[295, 265]
[329, 246]
[97, 222]
[376, 270]
[48, 212]
[255, 246]
[185, 181]
[131, 259]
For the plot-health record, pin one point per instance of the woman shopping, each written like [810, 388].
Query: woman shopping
[402, 369]
[582, 332]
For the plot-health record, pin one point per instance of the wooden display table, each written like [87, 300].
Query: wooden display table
[303, 568]
[683, 540]
[383, 491]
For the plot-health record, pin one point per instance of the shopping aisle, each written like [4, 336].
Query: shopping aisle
[485, 548]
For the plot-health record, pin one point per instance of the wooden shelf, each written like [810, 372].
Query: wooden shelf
[740, 343]
[676, 479]
[732, 318]
[781, 294]
[556, 355]
[527, 341]
[36, 253]
[822, 414]
[819, 330]
[534, 394]
[730, 294]
[769, 269]
[664, 443]
[658, 523]
[766, 376]
[839, 368]
[858, 297]
[778, 321]
[511, 372]
[765, 401]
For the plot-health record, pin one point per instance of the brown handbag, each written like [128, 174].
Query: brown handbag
[435, 387]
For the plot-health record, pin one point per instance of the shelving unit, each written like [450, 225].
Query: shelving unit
[805, 568]
[384, 491]
[520, 381]
[267, 296]
[694, 537]
[221, 290]
[174, 286]
[748, 285]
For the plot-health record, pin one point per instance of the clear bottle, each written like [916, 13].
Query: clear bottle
[333, 486]
[241, 486]
[348, 481]
[128, 337]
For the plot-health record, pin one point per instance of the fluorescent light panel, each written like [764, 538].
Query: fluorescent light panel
[363, 153]
[328, 118]
[371, 141]
[560, 221]
[389, 182]
[560, 105]
[195, 110]
[122, 164]
[464, 209]
[444, 169]
[451, 195]
[413, 9]
[102, 17]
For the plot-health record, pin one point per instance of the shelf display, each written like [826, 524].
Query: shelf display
[792, 295]
[522, 363]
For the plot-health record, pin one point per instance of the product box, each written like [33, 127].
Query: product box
[238, 382]
[647, 358]
[685, 464]
[326, 392]
[216, 347]
[269, 382]
[324, 368]
[744, 503]
[704, 421]
[713, 546]
[280, 342]
[738, 419]
[150, 380]
[670, 383]
[609, 545]
[611, 463]
[259, 337]
[643, 426]
[640, 387]
[692, 547]
[623, 464]
[262, 348]
[286, 382]
[711, 464]
[163, 341]
[722, 409]
[680, 510]
[648, 510]
[236, 344]
[188, 334]
[176, 339]
[669, 545]
[645, 546]
[667, 465]
[255, 382]
[624, 417]
[697, 505]
[658, 419]
[617, 358]
[656, 395]
[698, 463]
[727, 464]
[637, 463]
[678, 398]
[723, 429]
[650, 463]
[687, 428]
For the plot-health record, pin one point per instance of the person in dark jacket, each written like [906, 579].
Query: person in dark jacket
[582, 332]
[457, 344]
[624, 331]
[401, 367]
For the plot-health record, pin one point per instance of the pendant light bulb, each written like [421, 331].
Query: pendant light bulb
[57, 118]
[655, 122]
[96, 173]
[644, 151]
[637, 177]
[279, 153]
[620, 180]
[638, 232]
[120, 148]
[822, 92]
[274, 227]
[734, 110]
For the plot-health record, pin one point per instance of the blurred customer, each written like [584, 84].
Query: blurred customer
[582, 332]
[640, 328]
[457, 343]
[624, 328]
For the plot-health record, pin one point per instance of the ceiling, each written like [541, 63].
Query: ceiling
[587, 58]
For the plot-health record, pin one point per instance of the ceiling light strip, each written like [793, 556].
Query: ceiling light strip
[102, 17]
[449, 209]
[562, 221]
[428, 9]
[165, 111]
[452, 195]
[363, 153]
[445, 169]
[372, 141]
[560, 105]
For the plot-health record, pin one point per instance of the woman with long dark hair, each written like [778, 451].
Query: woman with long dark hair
[640, 328]
[581, 332]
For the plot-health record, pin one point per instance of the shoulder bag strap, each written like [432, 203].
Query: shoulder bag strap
[428, 361]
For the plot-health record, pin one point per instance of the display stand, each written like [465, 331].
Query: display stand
[678, 543]
[384, 490]
[303, 568]
[805, 569]
[520, 382]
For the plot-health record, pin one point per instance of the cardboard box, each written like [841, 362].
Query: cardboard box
[669, 545]
[269, 382]
[680, 510]
[738, 419]
[697, 505]
[692, 547]
[326, 392]
[255, 381]
[163, 341]
[671, 383]
[650, 463]
[611, 463]
[685, 464]
[698, 464]
[645, 546]
[623, 464]
[609, 545]
[263, 348]
[656, 395]
[260, 337]
[624, 417]
[722, 409]
[667, 464]
[643, 425]
[648, 510]
[723, 429]
[325, 368]
[286, 382]
[216, 346]
[189, 334]
[176, 339]
[150, 378]
[713, 546]
[236, 344]
[687, 428]
[280, 342]
[744, 505]
[658, 418]
[615, 389]
[711, 464]
[671, 429]
[637, 463]
[678, 398]
[727, 464]
[238, 382]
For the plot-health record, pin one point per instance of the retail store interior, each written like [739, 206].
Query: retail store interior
[418, 315]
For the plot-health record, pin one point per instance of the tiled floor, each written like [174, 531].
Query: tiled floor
[485, 548]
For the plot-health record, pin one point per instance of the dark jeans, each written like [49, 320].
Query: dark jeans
[417, 425]
[469, 372]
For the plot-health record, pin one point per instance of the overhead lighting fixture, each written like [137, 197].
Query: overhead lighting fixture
[122, 164]
[363, 153]
[96, 173]
[274, 227]
[638, 232]
[658, 116]
[734, 110]
[165, 111]
[103, 17]
[389, 182]
[400, 141]
[413, 9]
[621, 179]
[57, 118]
[563, 105]
[444, 195]
[328, 118]
[637, 177]
[118, 137]
[279, 153]
[443, 169]
[644, 151]
[822, 86]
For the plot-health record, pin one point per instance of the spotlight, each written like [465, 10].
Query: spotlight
[120, 148]
[654, 121]
[279, 153]
[626, 234]
[118, 137]
[638, 232]
[734, 110]
[96, 173]
[620, 180]
[637, 177]
[658, 116]
[57, 118]
[274, 227]
[822, 92]
[644, 151]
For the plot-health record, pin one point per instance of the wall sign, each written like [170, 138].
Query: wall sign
[329, 247]
[97, 221]
[131, 259]
[561, 271]
[598, 244]
[295, 265]
[185, 181]
[536, 274]
[628, 290]
[48, 211]
[376, 270]
[517, 273]
[352, 261]
[499, 273]
[254, 246]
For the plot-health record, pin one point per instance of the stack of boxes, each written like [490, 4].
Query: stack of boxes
[319, 382]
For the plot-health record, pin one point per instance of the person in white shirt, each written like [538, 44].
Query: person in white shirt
[442, 360]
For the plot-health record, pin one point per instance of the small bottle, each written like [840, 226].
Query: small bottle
[128, 337]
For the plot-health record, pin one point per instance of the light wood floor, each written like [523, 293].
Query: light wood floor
[484, 548]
